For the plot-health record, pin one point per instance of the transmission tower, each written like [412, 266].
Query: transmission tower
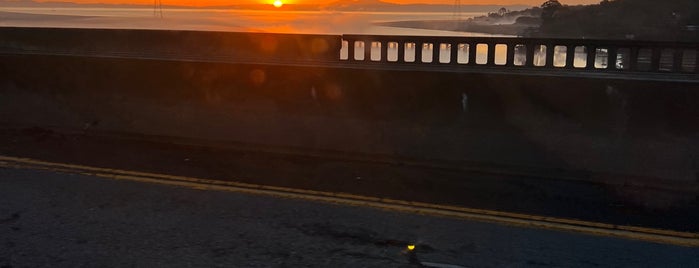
[457, 14]
[457, 10]
[157, 8]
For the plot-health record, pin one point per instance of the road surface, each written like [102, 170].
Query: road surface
[64, 219]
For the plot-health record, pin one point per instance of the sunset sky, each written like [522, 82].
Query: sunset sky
[231, 2]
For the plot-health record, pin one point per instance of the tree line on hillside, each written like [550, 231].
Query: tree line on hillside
[676, 20]
[622, 19]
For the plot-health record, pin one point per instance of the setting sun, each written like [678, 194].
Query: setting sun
[278, 3]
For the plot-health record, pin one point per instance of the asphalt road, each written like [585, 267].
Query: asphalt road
[618, 205]
[50, 219]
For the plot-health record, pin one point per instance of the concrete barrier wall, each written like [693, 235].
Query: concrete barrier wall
[230, 45]
[627, 129]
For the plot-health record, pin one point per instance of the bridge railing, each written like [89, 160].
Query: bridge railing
[459, 52]
[564, 54]
[173, 44]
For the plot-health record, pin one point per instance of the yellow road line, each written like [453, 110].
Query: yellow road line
[571, 225]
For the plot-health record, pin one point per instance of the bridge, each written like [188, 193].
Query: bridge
[609, 112]
[624, 59]
[588, 136]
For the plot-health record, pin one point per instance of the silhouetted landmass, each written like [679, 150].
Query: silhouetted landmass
[622, 19]
[676, 20]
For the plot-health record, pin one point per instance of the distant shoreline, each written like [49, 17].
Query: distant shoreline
[245, 21]
[459, 26]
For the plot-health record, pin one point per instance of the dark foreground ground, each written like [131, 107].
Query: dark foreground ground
[617, 204]
[62, 220]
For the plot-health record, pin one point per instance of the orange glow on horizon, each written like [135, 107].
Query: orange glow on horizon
[323, 2]
[278, 3]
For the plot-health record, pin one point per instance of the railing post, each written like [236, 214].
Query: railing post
[591, 57]
[472, 53]
[436, 49]
[454, 57]
[530, 55]
[612, 52]
[570, 57]
[511, 54]
[367, 50]
[677, 58]
[418, 51]
[655, 60]
[401, 52]
[350, 50]
[550, 53]
[384, 51]
[491, 54]
[633, 59]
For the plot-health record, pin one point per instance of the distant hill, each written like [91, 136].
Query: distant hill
[676, 20]
[624, 19]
